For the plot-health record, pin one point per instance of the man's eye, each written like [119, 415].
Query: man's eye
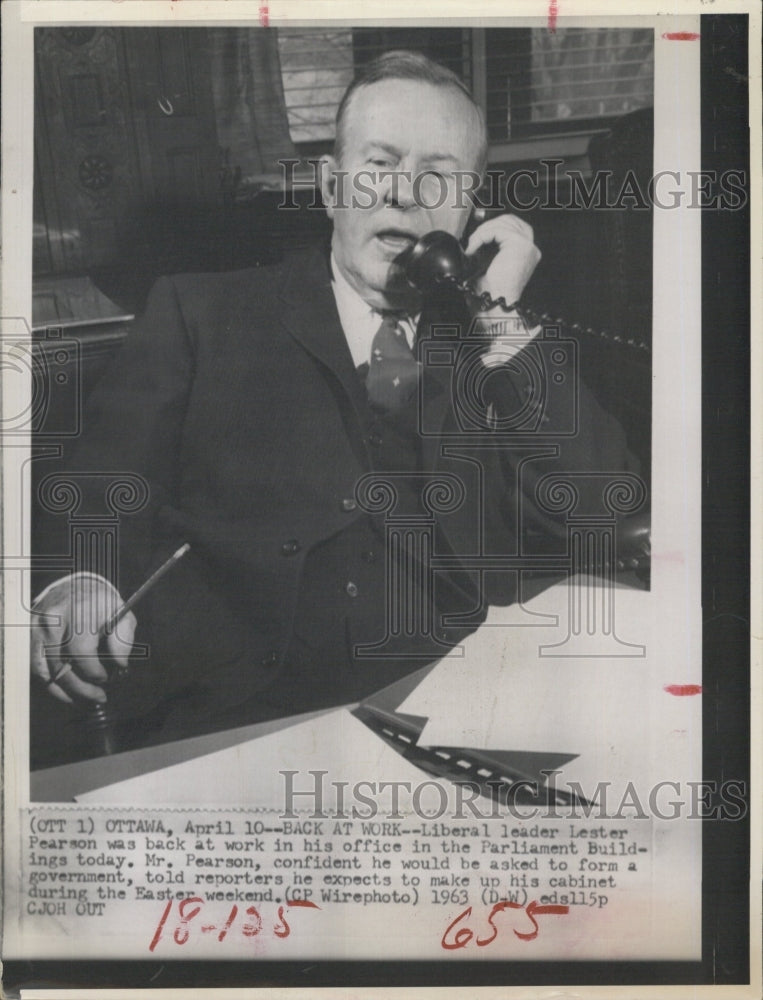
[380, 162]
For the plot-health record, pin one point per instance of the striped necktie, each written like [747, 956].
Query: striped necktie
[393, 372]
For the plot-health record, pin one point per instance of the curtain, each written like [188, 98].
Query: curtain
[250, 110]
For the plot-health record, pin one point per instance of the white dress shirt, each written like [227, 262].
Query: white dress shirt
[360, 321]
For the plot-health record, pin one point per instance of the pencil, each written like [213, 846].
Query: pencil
[144, 588]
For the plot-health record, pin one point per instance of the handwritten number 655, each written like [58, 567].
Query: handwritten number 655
[463, 935]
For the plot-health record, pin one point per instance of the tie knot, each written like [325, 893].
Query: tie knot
[393, 320]
[398, 324]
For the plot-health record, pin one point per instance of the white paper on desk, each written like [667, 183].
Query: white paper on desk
[250, 774]
[612, 711]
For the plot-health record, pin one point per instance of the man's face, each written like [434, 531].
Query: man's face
[423, 136]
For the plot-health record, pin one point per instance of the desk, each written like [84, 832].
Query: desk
[65, 782]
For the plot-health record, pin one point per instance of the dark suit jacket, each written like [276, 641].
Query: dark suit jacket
[236, 398]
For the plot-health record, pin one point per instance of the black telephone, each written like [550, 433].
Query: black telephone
[436, 259]
[437, 262]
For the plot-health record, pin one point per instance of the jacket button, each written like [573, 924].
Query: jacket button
[290, 548]
[368, 557]
[352, 589]
[348, 504]
[375, 440]
[270, 659]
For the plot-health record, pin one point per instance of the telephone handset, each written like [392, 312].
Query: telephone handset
[438, 262]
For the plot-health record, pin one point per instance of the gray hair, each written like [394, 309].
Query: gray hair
[403, 65]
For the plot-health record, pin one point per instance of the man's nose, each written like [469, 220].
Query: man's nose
[399, 191]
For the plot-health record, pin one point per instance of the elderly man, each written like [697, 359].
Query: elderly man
[256, 404]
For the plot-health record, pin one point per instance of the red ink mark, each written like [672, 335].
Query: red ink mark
[498, 908]
[681, 36]
[182, 932]
[682, 690]
[532, 909]
[282, 929]
[252, 930]
[160, 927]
[264, 15]
[553, 13]
[464, 935]
[228, 922]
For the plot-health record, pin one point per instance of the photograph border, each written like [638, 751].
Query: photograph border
[730, 917]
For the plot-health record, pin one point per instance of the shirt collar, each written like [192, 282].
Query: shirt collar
[359, 320]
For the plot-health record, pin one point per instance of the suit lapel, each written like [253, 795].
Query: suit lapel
[309, 314]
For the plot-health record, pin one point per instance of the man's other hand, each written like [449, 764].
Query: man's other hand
[517, 256]
[68, 641]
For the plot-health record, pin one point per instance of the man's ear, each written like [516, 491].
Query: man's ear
[327, 181]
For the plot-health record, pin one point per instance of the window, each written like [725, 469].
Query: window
[574, 79]
[531, 82]
[316, 67]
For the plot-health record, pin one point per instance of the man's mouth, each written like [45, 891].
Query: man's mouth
[396, 240]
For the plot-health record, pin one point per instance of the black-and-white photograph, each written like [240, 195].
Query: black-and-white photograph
[359, 578]
[347, 434]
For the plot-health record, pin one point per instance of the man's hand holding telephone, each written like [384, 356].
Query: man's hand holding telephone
[493, 270]
[513, 264]
[498, 261]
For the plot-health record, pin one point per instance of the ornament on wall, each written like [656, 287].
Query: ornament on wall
[95, 172]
